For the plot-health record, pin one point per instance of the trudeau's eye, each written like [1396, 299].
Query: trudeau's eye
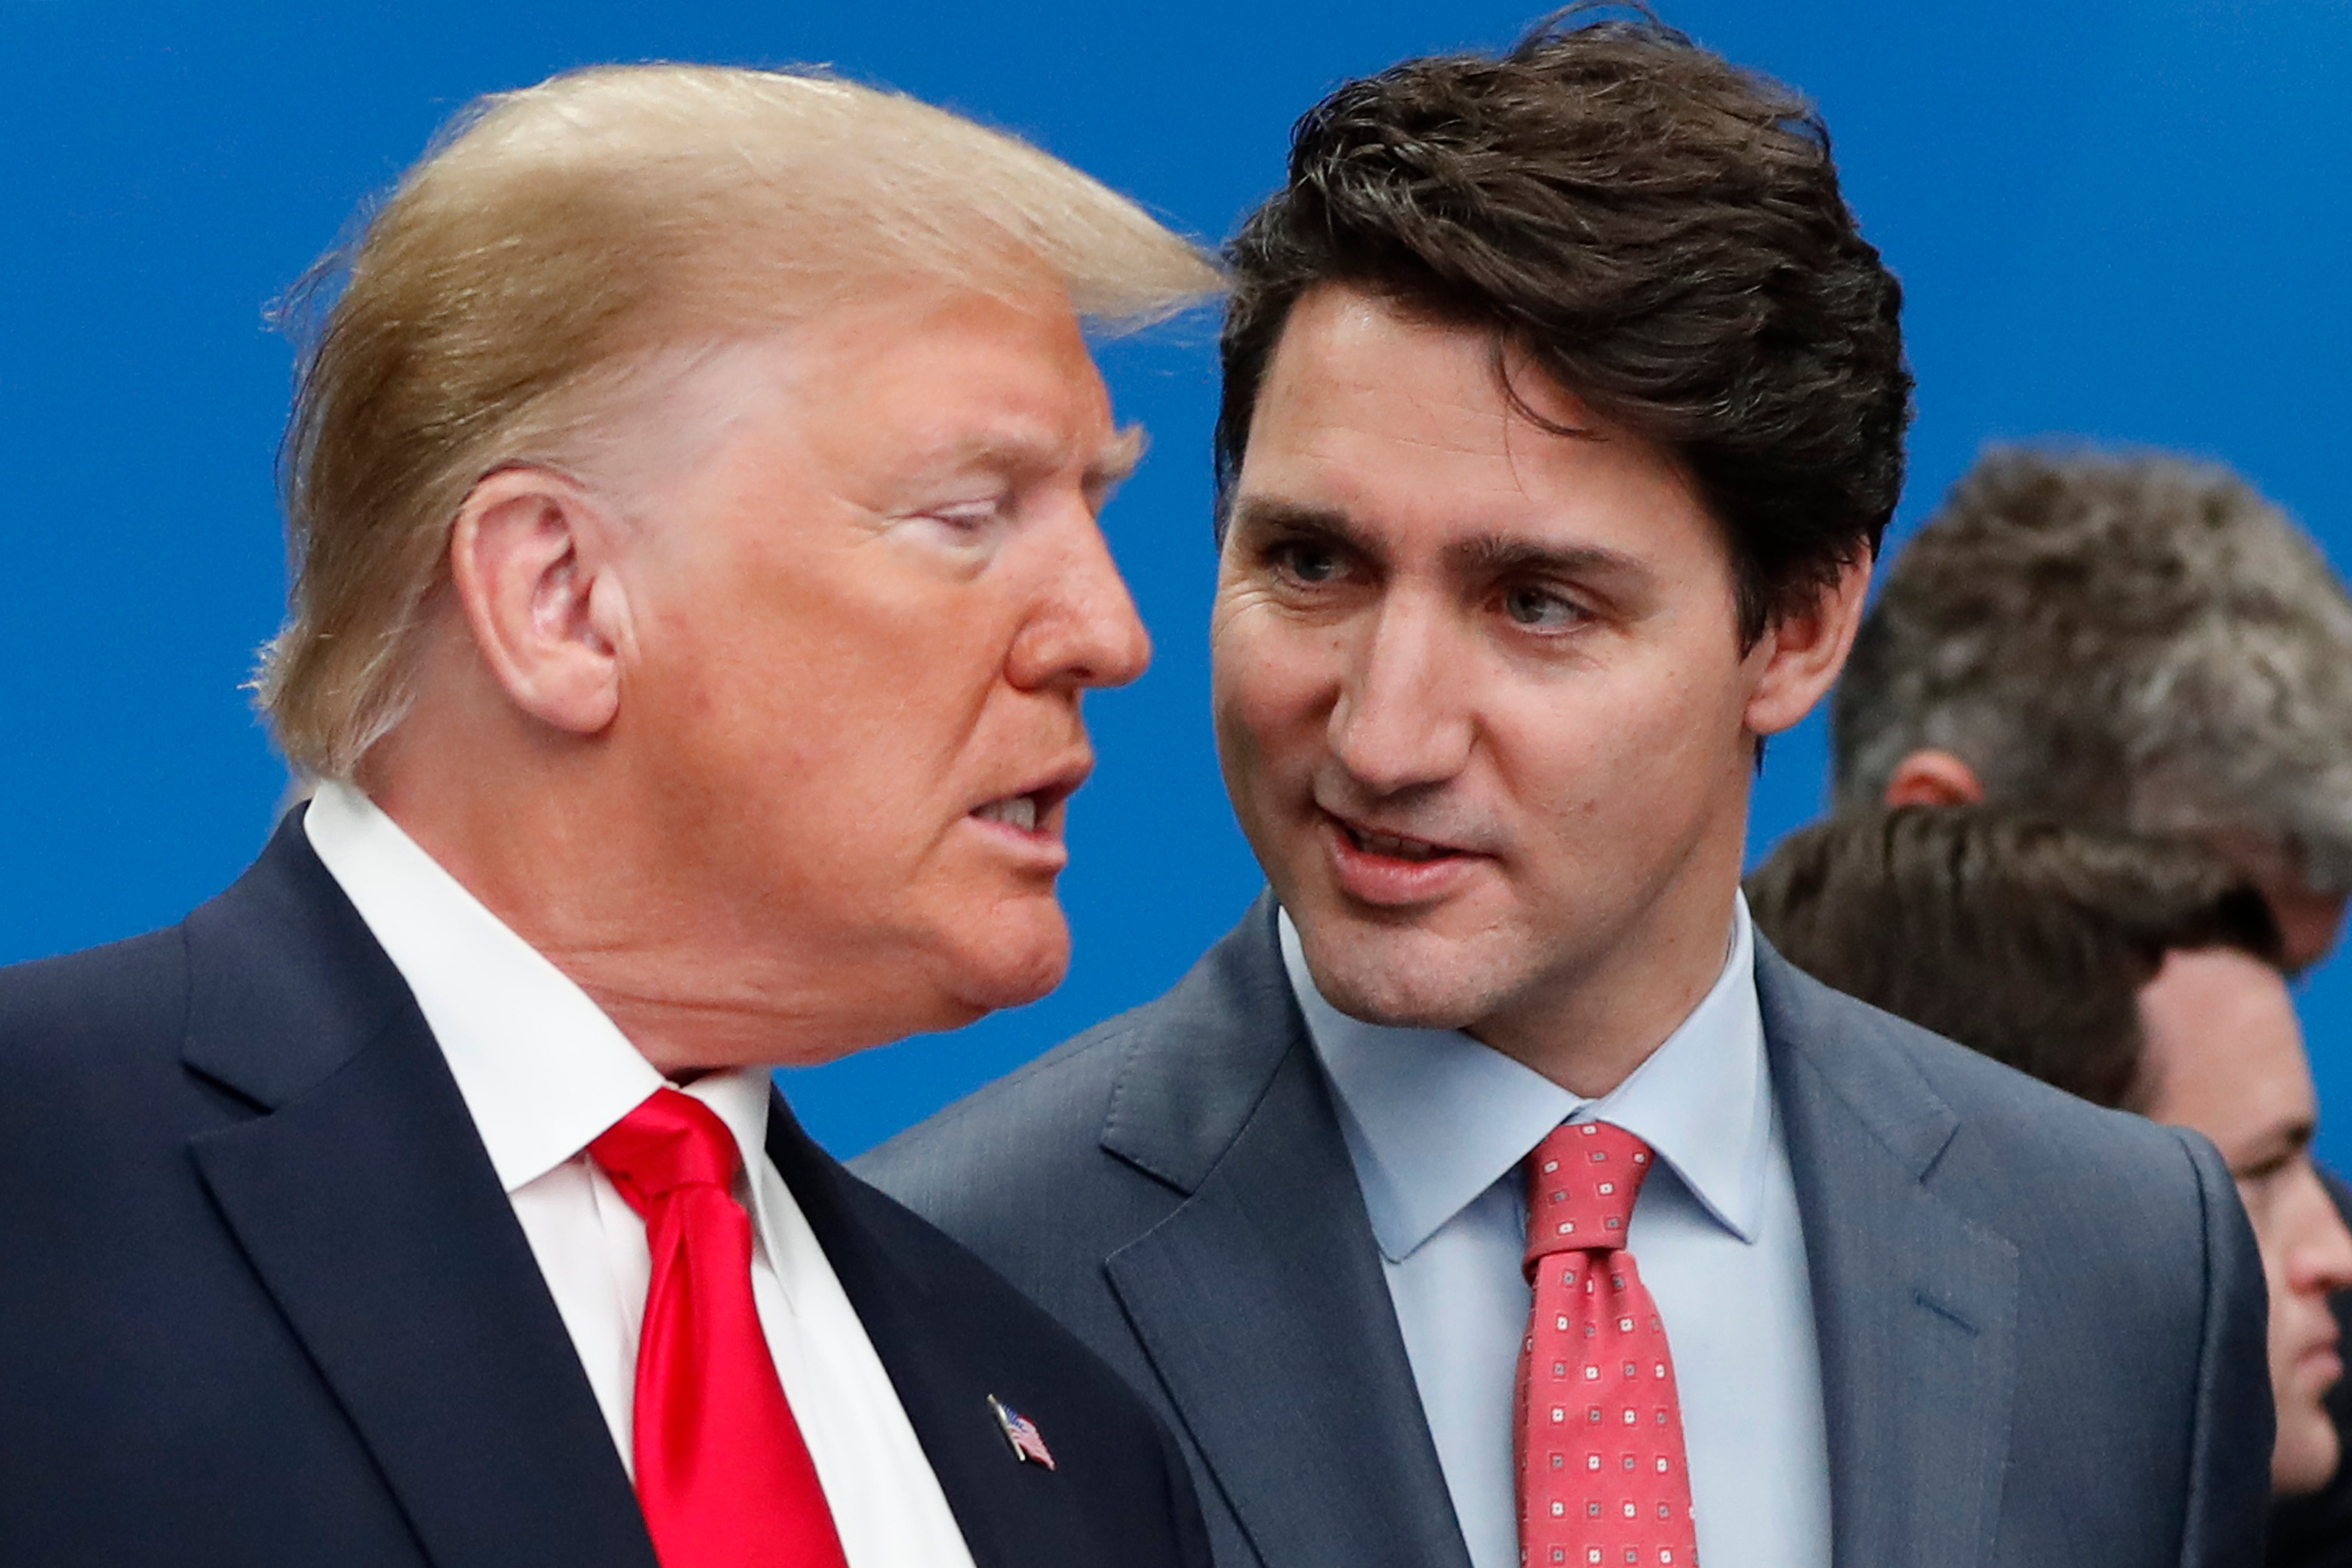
[1540, 609]
[1303, 560]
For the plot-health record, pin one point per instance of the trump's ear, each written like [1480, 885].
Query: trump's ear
[1802, 651]
[532, 560]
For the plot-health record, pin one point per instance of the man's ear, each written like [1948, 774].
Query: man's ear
[1804, 649]
[532, 560]
[1934, 778]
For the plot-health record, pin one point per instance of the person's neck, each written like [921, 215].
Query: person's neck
[562, 869]
[1593, 1026]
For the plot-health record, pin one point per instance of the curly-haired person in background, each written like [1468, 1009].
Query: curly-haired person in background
[1491, 1195]
[2131, 640]
[2142, 642]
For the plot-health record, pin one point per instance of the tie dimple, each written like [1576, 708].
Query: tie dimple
[1602, 1477]
[671, 1141]
[1582, 1183]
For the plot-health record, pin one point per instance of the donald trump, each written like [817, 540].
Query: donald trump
[693, 492]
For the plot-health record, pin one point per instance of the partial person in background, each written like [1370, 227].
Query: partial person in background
[696, 576]
[2135, 641]
[1490, 1196]
[2138, 642]
[2138, 972]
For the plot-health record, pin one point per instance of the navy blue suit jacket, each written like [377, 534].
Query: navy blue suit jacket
[2041, 1324]
[264, 1302]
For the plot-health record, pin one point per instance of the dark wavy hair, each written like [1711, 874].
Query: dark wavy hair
[2020, 937]
[1655, 229]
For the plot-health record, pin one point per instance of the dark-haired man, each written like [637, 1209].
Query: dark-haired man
[2136, 973]
[1490, 1196]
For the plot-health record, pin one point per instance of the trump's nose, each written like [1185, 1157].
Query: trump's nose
[1085, 630]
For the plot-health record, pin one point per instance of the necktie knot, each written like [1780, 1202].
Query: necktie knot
[1581, 1182]
[668, 1141]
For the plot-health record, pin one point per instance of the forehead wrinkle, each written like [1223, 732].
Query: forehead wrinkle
[1498, 451]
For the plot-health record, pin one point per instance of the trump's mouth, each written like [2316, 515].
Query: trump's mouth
[1035, 814]
[1019, 811]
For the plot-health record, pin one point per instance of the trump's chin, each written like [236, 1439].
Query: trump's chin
[1011, 956]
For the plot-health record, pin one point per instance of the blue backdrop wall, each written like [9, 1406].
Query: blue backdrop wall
[2124, 219]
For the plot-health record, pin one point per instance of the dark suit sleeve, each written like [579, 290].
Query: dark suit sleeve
[2229, 1451]
[2316, 1532]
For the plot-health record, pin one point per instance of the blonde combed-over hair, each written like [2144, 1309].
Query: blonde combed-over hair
[558, 236]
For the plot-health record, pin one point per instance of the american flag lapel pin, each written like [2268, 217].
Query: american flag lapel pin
[1028, 1443]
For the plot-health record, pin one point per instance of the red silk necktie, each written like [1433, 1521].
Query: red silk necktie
[723, 1474]
[1602, 1478]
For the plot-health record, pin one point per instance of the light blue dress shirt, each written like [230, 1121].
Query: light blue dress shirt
[1438, 1126]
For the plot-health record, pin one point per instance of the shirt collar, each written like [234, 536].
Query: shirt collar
[1434, 1119]
[543, 1070]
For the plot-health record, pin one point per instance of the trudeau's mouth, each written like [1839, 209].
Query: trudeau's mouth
[1395, 846]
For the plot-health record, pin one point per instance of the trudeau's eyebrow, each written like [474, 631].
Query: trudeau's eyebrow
[1260, 514]
[1610, 574]
[1497, 554]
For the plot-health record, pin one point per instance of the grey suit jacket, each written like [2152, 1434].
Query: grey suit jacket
[2041, 1324]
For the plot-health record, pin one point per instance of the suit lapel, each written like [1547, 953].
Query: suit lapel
[914, 1334]
[1260, 1301]
[1917, 1305]
[364, 1201]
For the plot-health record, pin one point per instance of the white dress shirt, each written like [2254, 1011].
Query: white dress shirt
[543, 1072]
[1438, 1126]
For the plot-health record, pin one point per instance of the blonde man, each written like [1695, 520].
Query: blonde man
[693, 502]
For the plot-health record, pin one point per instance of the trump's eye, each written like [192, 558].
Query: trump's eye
[966, 522]
[1542, 609]
[968, 518]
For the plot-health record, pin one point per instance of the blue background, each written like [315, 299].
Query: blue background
[2121, 220]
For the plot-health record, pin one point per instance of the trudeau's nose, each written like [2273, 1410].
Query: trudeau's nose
[1402, 719]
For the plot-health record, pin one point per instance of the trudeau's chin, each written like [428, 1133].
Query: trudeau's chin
[1397, 978]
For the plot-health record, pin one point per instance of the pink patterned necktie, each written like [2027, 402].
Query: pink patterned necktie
[1603, 1479]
